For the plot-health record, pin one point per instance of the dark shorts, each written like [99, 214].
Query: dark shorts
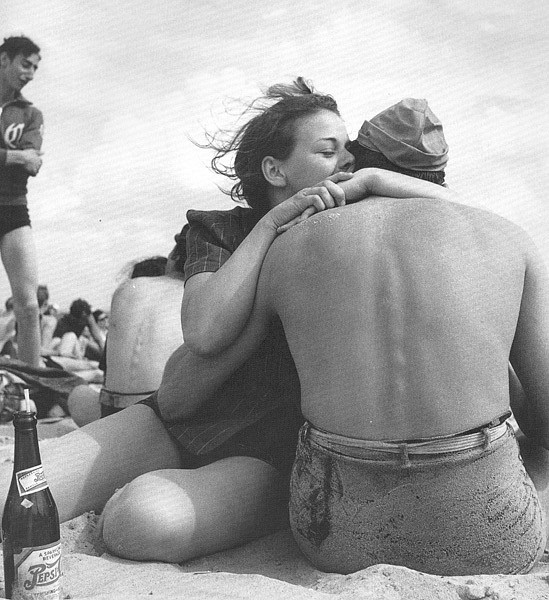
[272, 439]
[13, 217]
[445, 508]
[113, 402]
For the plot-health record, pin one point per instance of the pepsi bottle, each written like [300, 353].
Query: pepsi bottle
[30, 523]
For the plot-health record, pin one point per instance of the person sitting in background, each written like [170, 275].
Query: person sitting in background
[93, 351]
[144, 331]
[52, 310]
[67, 335]
[48, 322]
[102, 320]
[69, 342]
[7, 328]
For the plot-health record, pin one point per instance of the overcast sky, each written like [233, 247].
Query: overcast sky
[123, 85]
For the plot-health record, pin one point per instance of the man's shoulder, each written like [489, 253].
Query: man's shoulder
[35, 113]
[33, 116]
[455, 209]
[485, 217]
[24, 105]
[146, 286]
[396, 220]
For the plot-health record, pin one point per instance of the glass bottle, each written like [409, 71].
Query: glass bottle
[30, 523]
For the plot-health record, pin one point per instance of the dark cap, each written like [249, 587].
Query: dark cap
[408, 134]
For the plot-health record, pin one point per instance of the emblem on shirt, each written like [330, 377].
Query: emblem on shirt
[13, 134]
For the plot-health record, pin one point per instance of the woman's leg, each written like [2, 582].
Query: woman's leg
[176, 515]
[19, 258]
[85, 467]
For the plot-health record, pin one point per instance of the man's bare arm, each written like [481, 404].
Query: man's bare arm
[530, 353]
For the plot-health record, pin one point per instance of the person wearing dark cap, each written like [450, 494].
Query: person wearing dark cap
[402, 316]
[406, 138]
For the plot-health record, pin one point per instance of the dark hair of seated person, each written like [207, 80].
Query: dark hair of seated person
[150, 267]
[80, 308]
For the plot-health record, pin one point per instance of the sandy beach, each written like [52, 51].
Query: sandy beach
[271, 568]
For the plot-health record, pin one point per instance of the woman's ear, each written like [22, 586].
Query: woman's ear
[273, 172]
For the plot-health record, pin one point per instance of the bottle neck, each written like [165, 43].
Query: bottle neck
[27, 453]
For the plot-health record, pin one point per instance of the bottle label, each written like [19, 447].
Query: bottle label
[31, 480]
[38, 573]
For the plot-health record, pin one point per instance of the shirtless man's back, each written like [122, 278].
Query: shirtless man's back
[145, 329]
[402, 317]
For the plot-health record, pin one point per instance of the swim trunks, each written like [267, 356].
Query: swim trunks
[272, 439]
[13, 217]
[454, 506]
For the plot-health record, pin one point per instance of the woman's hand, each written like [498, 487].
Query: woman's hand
[308, 201]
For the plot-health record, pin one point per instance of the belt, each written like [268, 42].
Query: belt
[456, 443]
[120, 399]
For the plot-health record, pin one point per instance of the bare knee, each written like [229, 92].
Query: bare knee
[175, 515]
[149, 519]
[83, 404]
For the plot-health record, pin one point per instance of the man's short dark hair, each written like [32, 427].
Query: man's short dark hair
[15, 45]
[364, 158]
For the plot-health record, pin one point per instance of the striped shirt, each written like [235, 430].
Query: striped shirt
[267, 383]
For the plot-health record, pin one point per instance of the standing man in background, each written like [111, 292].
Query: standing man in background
[21, 127]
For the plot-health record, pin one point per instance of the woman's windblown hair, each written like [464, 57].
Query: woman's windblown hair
[269, 132]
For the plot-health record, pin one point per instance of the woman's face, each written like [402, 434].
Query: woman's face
[319, 151]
